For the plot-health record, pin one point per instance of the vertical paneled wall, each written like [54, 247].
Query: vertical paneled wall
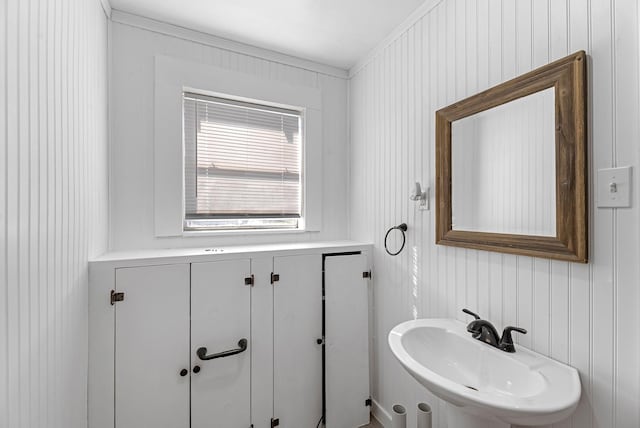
[53, 203]
[584, 315]
[132, 89]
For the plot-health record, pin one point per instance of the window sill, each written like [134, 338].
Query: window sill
[245, 232]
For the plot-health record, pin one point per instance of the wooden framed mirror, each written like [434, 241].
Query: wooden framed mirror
[511, 165]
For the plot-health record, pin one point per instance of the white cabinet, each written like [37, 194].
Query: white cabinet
[262, 342]
[347, 340]
[220, 322]
[262, 312]
[152, 347]
[297, 326]
[167, 314]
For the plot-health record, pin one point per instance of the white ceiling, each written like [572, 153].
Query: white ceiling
[333, 32]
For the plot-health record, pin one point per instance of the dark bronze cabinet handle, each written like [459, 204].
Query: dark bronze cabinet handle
[202, 352]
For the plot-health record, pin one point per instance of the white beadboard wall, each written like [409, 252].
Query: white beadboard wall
[135, 42]
[582, 314]
[53, 203]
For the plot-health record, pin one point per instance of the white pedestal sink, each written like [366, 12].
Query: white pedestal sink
[483, 383]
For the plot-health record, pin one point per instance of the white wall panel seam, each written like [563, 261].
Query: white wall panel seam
[614, 226]
[4, 321]
[424, 10]
[106, 7]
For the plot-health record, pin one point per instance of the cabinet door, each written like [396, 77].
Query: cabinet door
[262, 343]
[152, 347]
[220, 318]
[347, 341]
[297, 304]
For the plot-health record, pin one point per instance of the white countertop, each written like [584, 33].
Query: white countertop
[201, 254]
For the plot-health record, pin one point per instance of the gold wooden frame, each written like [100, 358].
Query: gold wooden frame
[568, 77]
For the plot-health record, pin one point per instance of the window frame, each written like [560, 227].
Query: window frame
[228, 99]
[175, 75]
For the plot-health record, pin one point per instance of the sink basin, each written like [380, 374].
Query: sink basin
[523, 388]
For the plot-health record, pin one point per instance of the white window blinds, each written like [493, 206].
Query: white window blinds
[242, 164]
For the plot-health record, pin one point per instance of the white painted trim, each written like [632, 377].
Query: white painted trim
[110, 116]
[172, 77]
[380, 414]
[421, 11]
[349, 151]
[106, 6]
[222, 43]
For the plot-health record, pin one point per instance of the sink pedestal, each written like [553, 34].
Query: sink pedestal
[458, 418]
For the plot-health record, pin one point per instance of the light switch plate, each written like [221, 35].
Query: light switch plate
[614, 187]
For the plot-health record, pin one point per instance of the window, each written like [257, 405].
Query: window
[243, 165]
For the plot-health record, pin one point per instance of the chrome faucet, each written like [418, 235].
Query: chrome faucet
[484, 331]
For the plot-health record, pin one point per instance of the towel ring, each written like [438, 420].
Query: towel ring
[402, 228]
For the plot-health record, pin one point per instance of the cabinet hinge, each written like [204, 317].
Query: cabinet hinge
[366, 274]
[275, 277]
[116, 297]
[367, 402]
[250, 280]
[275, 422]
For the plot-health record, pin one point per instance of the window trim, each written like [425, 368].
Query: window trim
[175, 76]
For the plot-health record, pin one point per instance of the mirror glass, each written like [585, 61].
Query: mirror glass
[503, 166]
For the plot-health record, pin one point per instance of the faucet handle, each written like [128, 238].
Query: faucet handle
[506, 342]
[468, 312]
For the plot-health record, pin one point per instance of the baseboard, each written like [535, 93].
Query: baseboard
[380, 414]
